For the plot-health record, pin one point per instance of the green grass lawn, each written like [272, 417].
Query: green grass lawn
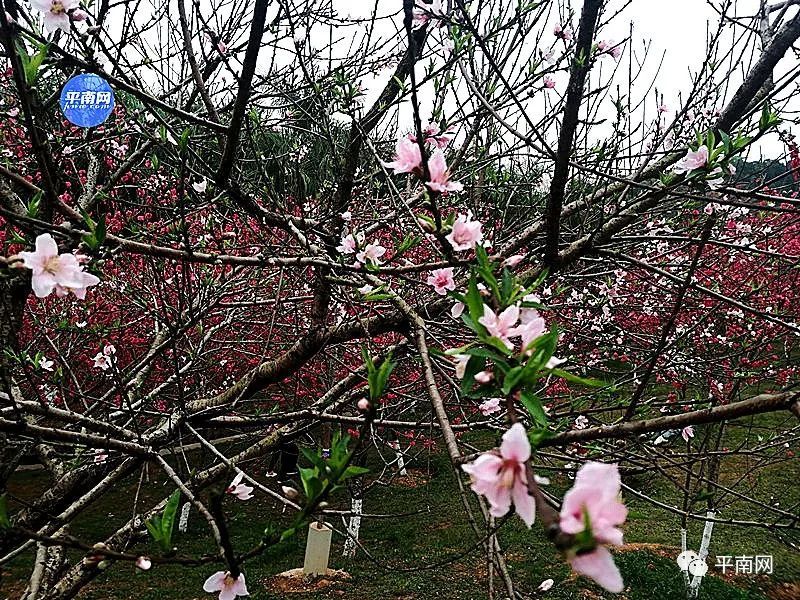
[427, 554]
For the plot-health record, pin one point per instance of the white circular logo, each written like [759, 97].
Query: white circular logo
[685, 559]
[698, 567]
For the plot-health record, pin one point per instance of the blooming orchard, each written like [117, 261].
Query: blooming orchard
[262, 284]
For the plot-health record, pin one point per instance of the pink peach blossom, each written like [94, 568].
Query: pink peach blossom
[532, 325]
[687, 433]
[423, 12]
[466, 233]
[490, 406]
[595, 498]
[55, 13]
[407, 159]
[52, 271]
[442, 280]
[500, 476]
[693, 160]
[461, 364]
[599, 566]
[440, 175]
[102, 361]
[513, 261]
[347, 245]
[501, 326]
[434, 135]
[371, 253]
[549, 82]
[484, 376]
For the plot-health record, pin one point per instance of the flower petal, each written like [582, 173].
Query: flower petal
[599, 565]
[515, 445]
[524, 504]
[215, 583]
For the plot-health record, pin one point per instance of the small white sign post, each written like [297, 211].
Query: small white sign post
[318, 549]
[353, 528]
[401, 462]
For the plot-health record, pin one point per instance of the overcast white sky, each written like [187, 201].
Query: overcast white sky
[677, 29]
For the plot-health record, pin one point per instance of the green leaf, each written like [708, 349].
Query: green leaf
[711, 140]
[184, 141]
[726, 142]
[377, 377]
[512, 379]
[87, 219]
[498, 344]
[537, 436]
[763, 122]
[32, 67]
[153, 525]
[572, 378]
[507, 287]
[32, 207]
[474, 305]
[168, 520]
[534, 406]
[486, 272]
[314, 458]
[475, 365]
[100, 231]
[353, 472]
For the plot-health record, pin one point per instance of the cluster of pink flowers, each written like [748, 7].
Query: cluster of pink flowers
[514, 321]
[435, 136]
[364, 253]
[52, 271]
[594, 502]
[490, 406]
[440, 175]
[609, 48]
[104, 359]
[408, 159]
[563, 33]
